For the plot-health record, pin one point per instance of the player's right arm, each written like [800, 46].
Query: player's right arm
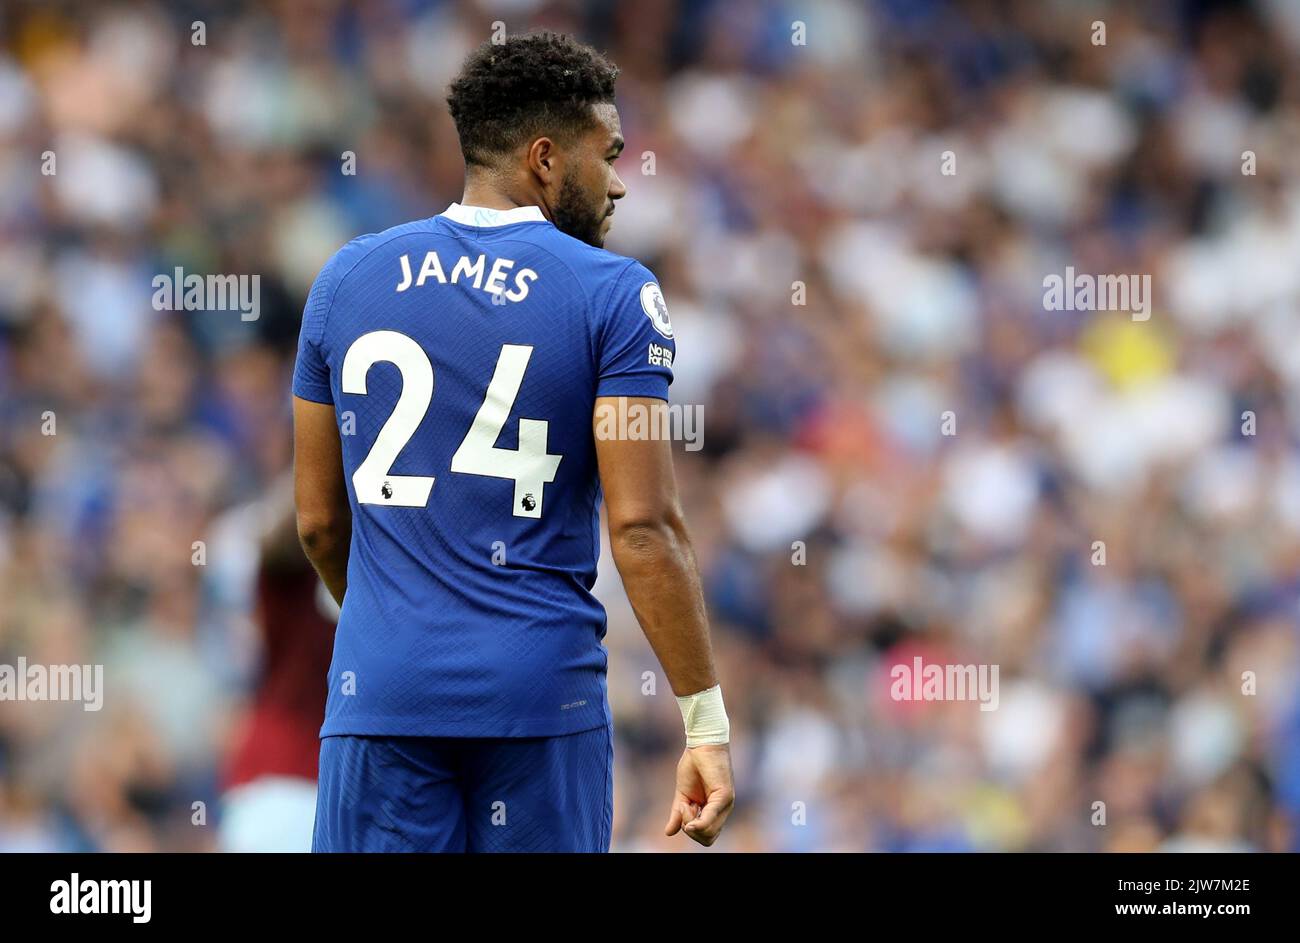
[324, 517]
[653, 553]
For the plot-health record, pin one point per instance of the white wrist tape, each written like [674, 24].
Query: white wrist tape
[705, 717]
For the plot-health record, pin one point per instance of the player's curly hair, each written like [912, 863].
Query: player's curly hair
[538, 83]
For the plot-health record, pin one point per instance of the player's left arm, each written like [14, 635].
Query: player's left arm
[651, 547]
[321, 493]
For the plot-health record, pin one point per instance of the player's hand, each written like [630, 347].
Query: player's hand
[705, 793]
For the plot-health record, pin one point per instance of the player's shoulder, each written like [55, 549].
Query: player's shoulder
[333, 281]
[601, 269]
[365, 246]
[619, 284]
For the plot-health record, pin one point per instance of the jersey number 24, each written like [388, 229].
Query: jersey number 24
[530, 467]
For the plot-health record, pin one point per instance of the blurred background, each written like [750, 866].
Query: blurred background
[1173, 441]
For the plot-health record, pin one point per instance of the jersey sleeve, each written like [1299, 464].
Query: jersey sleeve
[311, 375]
[635, 342]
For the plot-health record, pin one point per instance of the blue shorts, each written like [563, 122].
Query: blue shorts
[458, 794]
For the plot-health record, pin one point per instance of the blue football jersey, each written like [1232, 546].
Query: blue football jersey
[463, 355]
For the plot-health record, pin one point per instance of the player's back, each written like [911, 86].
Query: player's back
[463, 355]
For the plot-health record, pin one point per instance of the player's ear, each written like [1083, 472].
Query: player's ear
[542, 159]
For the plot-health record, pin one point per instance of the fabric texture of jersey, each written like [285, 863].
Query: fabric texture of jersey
[471, 614]
[466, 794]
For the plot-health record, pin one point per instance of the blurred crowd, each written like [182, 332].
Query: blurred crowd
[905, 454]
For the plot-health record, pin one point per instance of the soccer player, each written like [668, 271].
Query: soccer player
[450, 465]
[269, 789]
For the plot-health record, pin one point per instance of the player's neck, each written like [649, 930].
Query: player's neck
[492, 197]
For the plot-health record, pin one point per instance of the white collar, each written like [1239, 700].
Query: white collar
[483, 216]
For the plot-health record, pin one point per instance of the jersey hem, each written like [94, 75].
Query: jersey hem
[632, 390]
[386, 727]
[315, 394]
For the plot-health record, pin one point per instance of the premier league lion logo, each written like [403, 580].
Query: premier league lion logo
[652, 302]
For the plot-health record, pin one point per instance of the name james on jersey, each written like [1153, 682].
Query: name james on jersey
[431, 267]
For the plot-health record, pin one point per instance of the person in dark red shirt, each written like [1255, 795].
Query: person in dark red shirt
[269, 788]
